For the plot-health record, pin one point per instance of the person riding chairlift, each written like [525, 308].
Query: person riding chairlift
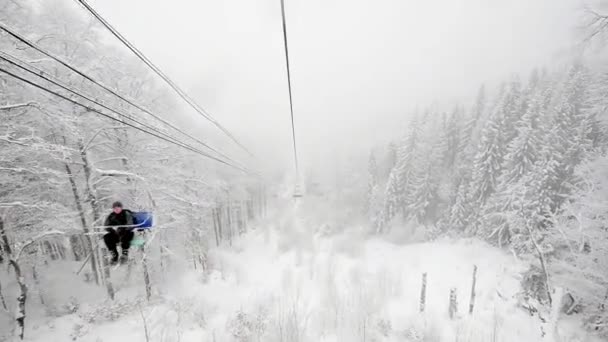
[122, 220]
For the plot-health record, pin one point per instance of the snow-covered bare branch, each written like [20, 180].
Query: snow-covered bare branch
[34, 240]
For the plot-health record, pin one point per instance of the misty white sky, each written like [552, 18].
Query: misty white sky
[357, 65]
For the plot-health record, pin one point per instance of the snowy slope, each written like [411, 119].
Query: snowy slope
[340, 289]
[292, 279]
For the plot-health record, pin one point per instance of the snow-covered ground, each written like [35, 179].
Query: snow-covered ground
[273, 284]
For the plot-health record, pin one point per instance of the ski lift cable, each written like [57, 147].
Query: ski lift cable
[162, 75]
[37, 72]
[108, 89]
[167, 139]
[41, 74]
[51, 79]
[177, 143]
[293, 129]
[19, 63]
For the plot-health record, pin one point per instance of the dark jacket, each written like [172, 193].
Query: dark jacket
[125, 218]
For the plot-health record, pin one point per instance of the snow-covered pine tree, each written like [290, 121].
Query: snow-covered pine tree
[393, 193]
[487, 164]
[372, 182]
[389, 162]
[569, 143]
[499, 129]
[459, 210]
[399, 177]
[423, 195]
[468, 143]
[522, 152]
[424, 179]
[454, 134]
[511, 108]
[529, 90]
[489, 157]
[455, 171]
[480, 104]
[374, 208]
[546, 180]
[598, 110]
[469, 138]
[520, 157]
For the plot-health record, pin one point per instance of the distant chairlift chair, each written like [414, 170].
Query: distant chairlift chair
[297, 191]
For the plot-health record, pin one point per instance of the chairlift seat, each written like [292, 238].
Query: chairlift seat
[143, 220]
[297, 192]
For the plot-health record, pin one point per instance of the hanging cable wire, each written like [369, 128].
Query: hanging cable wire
[91, 109]
[162, 75]
[293, 127]
[49, 78]
[101, 85]
[53, 80]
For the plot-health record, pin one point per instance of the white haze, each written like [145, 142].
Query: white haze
[502, 207]
[358, 66]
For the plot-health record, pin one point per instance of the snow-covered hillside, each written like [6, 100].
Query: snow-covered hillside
[338, 287]
[387, 171]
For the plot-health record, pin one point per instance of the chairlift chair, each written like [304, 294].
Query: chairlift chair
[297, 192]
[143, 222]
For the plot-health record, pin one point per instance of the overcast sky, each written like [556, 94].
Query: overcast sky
[357, 65]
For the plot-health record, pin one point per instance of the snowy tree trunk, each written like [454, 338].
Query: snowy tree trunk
[453, 307]
[144, 265]
[423, 293]
[244, 214]
[163, 255]
[60, 250]
[215, 226]
[472, 300]
[241, 218]
[201, 248]
[219, 213]
[260, 201]
[162, 262]
[76, 244]
[229, 222]
[240, 224]
[143, 317]
[86, 261]
[55, 251]
[102, 260]
[83, 221]
[49, 249]
[90, 189]
[21, 299]
[264, 202]
[37, 282]
[555, 311]
[81, 213]
[5, 243]
[602, 306]
[197, 250]
[2, 300]
[250, 211]
[204, 261]
[13, 261]
[108, 281]
[541, 258]
[236, 214]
